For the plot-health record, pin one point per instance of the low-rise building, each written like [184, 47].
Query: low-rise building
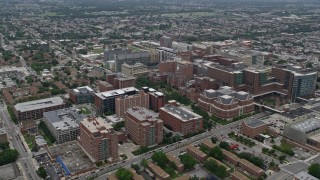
[143, 126]
[136, 69]
[207, 143]
[181, 119]
[253, 128]
[238, 176]
[251, 168]
[196, 153]
[232, 158]
[158, 172]
[81, 95]
[176, 161]
[63, 124]
[226, 103]
[35, 109]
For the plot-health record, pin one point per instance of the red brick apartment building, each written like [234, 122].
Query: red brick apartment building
[181, 119]
[123, 103]
[35, 109]
[226, 103]
[196, 153]
[143, 126]
[98, 139]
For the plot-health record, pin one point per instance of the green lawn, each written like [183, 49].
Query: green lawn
[285, 145]
[85, 110]
[97, 51]
[29, 140]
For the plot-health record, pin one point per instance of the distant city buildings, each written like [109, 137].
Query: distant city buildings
[1, 40]
[63, 124]
[81, 95]
[35, 109]
[181, 119]
[166, 41]
[98, 139]
[137, 69]
[143, 126]
[119, 80]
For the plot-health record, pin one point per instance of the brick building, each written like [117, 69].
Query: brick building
[105, 101]
[104, 86]
[98, 139]
[176, 161]
[123, 103]
[196, 153]
[238, 176]
[120, 81]
[81, 95]
[226, 103]
[253, 128]
[251, 168]
[181, 119]
[35, 109]
[143, 126]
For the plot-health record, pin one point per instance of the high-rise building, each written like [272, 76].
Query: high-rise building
[166, 41]
[98, 139]
[123, 103]
[81, 95]
[143, 126]
[105, 101]
[180, 119]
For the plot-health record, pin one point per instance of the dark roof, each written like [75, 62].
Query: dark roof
[296, 113]
[254, 123]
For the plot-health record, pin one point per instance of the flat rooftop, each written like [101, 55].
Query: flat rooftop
[296, 113]
[72, 156]
[142, 113]
[307, 126]
[315, 137]
[180, 112]
[64, 118]
[254, 123]
[83, 90]
[116, 92]
[96, 124]
[39, 104]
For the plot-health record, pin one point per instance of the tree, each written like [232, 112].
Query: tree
[314, 170]
[160, 158]
[136, 167]
[214, 140]
[188, 161]
[282, 158]
[309, 65]
[221, 171]
[144, 163]
[216, 153]
[124, 174]
[224, 145]
[42, 172]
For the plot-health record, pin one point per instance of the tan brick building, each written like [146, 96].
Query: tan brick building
[123, 103]
[253, 128]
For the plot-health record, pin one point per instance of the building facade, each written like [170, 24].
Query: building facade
[81, 95]
[180, 119]
[226, 103]
[63, 124]
[105, 101]
[123, 103]
[143, 126]
[98, 139]
[35, 109]
[137, 69]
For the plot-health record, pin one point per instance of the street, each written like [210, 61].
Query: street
[25, 158]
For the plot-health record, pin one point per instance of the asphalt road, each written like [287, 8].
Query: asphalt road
[25, 158]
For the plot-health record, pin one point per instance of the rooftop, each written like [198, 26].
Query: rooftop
[196, 151]
[180, 112]
[142, 114]
[116, 92]
[156, 169]
[315, 137]
[307, 126]
[72, 156]
[239, 175]
[64, 118]
[296, 113]
[39, 104]
[83, 90]
[254, 123]
[96, 124]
